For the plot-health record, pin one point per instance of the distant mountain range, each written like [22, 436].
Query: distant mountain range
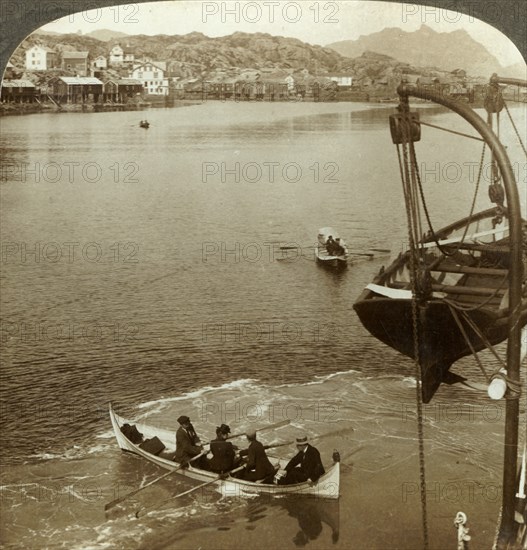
[426, 47]
[106, 35]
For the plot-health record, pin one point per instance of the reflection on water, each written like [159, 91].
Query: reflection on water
[311, 514]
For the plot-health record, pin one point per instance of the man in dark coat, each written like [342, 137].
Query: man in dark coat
[339, 249]
[258, 465]
[188, 444]
[222, 451]
[306, 464]
[330, 245]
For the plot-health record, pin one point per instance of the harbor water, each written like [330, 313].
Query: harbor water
[170, 271]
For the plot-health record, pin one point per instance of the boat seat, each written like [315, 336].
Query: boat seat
[453, 268]
[460, 291]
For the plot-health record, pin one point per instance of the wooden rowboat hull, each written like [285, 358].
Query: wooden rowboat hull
[326, 487]
[332, 261]
[463, 296]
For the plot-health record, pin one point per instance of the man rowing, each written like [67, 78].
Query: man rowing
[330, 245]
[306, 464]
[188, 444]
[258, 466]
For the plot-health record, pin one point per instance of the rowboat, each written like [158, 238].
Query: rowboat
[144, 124]
[463, 296]
[338, 258]
[327, 486]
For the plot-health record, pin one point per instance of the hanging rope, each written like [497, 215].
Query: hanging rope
[450, 131]
[468, 341]
[412, 207]
[472, 207]
[515, 129]
[497, 532]
[483, 338]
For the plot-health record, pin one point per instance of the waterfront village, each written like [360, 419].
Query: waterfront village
[75, 80]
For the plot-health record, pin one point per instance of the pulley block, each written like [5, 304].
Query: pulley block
[405, 127]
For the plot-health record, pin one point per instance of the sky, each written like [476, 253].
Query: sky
[316, 22]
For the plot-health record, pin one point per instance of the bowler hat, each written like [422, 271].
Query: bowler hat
[183, 419]
[224, 428]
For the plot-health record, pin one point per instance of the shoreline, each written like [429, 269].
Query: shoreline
[16, 109]
[21, 109]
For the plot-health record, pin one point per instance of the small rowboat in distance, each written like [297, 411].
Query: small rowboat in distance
[326, 487]
[331, 250]
[144, 124]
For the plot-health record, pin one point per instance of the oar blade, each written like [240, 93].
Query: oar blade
[265, 428]
[121, 499]
[128, 495]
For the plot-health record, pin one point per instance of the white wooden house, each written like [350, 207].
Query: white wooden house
[342, 80]
[152, 76]
[100, 62]
[41, 58]
[116, 55]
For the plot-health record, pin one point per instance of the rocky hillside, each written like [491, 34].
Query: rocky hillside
[59, 43]
[241, 50]
[425, 47]
[194, 55]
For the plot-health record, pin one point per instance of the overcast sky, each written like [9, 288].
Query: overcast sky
[315, 22]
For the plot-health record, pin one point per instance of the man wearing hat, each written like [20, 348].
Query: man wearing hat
[222, 451]
[258, 465]
[188, 444]
[306, 464]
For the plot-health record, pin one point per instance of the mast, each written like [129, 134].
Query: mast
[507, 528]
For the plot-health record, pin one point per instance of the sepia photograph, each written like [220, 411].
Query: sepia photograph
[263, 275]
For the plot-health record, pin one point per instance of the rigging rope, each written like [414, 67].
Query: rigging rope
[413, 231]
[515, 129]
[459, 307]
[468, 341]
[425, 208]
[450, 131]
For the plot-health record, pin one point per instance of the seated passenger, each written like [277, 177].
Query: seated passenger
[306, 464]
[222, 451]
[339, 249]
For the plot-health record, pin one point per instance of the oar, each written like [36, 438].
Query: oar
[288, 247]
[351, 453]
[278, 445]
[140, 513]
[370, 254]
[265, 428]
[188, 491]
[128, 495]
